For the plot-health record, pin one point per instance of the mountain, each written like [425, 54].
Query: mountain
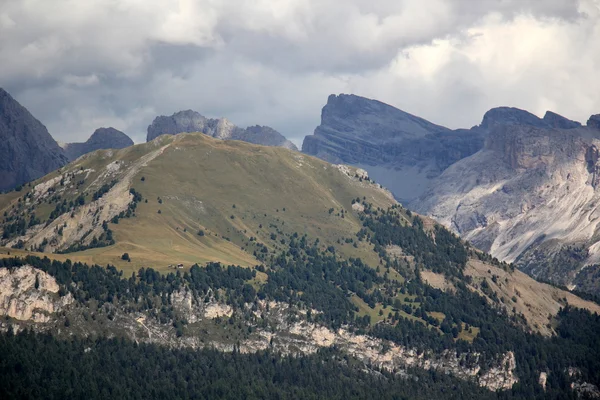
[102, 138]
[197, 183]
[200, 259]
[220, 128]
[399, 150]
[500, 184]
[27, 151]
[530, 196]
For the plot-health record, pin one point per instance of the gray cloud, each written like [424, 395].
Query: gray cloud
[81, 65]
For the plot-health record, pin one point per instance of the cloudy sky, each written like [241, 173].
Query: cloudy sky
[78, 65]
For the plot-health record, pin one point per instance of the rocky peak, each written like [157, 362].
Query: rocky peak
[102, 138]
[401, 151]
[372, 119]
[594, 121]
[220, 128]
[558, 121]
[110, 136]
[267, 136]
[510, 116]
[182, 121]
[27, 151]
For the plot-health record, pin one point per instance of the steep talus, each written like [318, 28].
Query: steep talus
[220, 128]
[102, 138]
[27, 151]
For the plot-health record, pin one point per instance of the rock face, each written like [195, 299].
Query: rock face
[27, 151]
[594, 121]
[399, 150]
[511, 116]
[521, 187]
[102, 138]
[29, 294]
[530, 196]
[558, 121]
[220, 128]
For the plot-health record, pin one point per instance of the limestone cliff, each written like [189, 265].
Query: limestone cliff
[28, 294]
[530, 196]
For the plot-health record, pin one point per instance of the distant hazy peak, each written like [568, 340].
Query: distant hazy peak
[558, 121]
[112, 134]
[511, 116]
[220, 128]
[370, 118]
[102, 138]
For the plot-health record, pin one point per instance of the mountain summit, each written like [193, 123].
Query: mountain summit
[27, 151]
[400, 150]
[102, 138]
[191, 121]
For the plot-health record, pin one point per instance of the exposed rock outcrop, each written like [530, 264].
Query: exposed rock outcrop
[511, 116]
[220, 128]
[82, 225]
[289, 336]
[102, 138]
[594, 121]
[27, 151]
[29, 294]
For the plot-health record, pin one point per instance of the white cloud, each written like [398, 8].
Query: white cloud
[81, 64]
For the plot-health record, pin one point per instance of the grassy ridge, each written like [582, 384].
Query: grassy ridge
[232, 191]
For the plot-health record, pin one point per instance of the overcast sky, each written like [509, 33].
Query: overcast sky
[78, 65]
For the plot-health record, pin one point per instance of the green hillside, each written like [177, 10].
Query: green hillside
[239, 197]
[279, 252]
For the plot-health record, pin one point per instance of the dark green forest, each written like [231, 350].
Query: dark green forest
[39, 366]
[307, 275]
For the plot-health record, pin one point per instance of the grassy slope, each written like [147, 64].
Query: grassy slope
[200, 179]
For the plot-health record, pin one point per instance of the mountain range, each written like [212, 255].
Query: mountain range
[28, 151]
[213, 250]
[220, 128]
[400, 150]
[523, 188]
[187, 248]
[498, 184]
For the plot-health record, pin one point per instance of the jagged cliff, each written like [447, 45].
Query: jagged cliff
[27, 151]
[530, 196]
[220, 128]
[102, 138]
